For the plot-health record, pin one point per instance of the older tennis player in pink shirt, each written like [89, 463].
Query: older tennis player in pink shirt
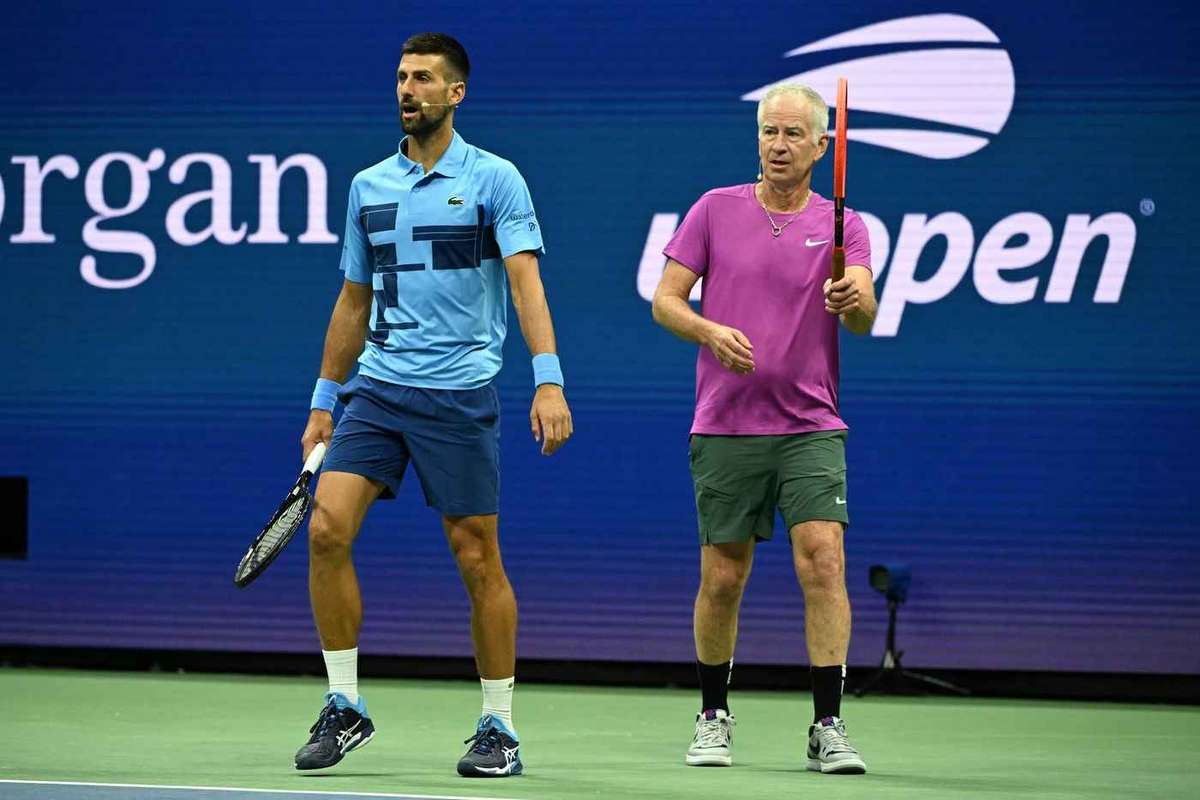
[766, 433]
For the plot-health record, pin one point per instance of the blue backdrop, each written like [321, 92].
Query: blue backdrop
[1023, 421]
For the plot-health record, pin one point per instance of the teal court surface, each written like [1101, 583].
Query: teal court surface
[71, 735]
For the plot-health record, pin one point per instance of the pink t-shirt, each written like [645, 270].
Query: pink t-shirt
[769, 289]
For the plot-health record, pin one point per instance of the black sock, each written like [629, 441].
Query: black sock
[714, 685]
[827, 691]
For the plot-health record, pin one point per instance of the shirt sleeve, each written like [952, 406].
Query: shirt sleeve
[857, 241]
[689, 245]
[513, 217]
[355, 245]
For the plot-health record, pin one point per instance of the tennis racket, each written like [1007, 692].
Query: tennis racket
[283, 525]
[838, 269]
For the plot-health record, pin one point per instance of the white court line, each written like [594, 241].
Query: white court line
[401, 796]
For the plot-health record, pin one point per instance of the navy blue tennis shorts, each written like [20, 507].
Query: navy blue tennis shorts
[452, 437]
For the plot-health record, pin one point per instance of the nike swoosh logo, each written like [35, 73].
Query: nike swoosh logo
[839, 501]
[811, 243]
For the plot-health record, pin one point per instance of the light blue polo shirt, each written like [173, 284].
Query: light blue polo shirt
[432, 244]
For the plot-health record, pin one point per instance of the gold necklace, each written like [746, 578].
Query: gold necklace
[776, 229]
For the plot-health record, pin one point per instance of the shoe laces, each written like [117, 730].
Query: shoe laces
[484, 741]
[833, 736]
[327, 720]
[713, 732]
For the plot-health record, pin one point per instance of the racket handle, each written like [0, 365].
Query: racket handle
[314, 458]
[838, 268]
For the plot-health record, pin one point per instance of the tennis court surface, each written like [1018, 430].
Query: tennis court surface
[71, 735]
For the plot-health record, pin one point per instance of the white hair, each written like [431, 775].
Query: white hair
[820, 110]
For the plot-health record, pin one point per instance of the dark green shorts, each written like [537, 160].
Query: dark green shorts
[741, 480]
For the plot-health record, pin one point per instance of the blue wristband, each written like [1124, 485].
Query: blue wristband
[546, 369]
[325, 394]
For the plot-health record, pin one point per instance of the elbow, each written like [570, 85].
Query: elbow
[656, 311]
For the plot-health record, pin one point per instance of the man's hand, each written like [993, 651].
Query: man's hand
[732, 349]
[319, 429]
[550, 418]
[842, 297]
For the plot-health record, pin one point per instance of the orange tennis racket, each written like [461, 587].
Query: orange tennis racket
[838, 269]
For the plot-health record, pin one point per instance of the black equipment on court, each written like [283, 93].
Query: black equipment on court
[892, 581]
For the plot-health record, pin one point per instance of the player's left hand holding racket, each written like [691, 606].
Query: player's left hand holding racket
[283, 525]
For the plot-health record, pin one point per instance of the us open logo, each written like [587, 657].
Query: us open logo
[939, 86]
[940, 101]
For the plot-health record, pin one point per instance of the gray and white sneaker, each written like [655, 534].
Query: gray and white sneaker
[710, 745]
[830, 751]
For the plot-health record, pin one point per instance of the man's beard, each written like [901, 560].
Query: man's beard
[424, 123]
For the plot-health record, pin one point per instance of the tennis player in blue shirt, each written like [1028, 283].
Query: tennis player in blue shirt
[434, 235]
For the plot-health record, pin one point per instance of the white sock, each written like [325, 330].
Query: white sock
[497, 700]
[342, 667]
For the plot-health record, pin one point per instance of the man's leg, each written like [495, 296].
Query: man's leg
[820, 561]
[339, 507]
[812, 499]
[724, 569]
[474, 541]
[821, 568]
[734, 482]
[340, 504]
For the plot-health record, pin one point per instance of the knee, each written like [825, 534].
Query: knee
[327, 539]
[823, 569]
[724, 584]
[478, 563]
[474, 566]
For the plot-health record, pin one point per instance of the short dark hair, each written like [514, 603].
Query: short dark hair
[440, 44]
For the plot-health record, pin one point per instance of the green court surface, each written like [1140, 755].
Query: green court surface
[167, 730]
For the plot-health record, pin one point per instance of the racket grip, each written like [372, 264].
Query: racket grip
[838, 268]
[315, 458]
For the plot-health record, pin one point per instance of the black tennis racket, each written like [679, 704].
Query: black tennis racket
[283, 525]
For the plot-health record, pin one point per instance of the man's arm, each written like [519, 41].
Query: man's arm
[549, 417]
[344, 340]
[671, 309]
[853, 299]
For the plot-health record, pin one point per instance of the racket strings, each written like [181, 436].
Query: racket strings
[276, 535]
[285, 525]
[282, 527]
